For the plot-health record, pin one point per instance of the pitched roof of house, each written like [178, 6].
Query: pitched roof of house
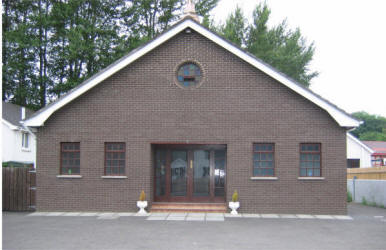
[340, 116]
[379, 147]
[12, 113]
[360, 143]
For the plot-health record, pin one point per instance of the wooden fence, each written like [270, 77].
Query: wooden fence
[19, 189]
[374, 173]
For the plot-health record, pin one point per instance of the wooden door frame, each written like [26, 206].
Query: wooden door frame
[189, 195]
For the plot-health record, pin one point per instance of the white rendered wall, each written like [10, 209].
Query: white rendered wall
[370, 190]
[12, 149]
[357, 151]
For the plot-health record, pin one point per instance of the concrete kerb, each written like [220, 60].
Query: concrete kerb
[191, 216]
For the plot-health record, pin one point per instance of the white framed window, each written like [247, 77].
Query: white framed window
[25, 140]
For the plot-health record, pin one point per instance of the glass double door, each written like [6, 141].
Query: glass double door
[189, 173]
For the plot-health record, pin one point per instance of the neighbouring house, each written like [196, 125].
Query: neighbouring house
[378, 158]
[189, 118]
[358, 154]
[18, 143]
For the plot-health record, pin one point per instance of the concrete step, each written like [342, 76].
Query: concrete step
[175, 207]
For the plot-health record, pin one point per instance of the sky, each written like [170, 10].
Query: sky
[350, 46]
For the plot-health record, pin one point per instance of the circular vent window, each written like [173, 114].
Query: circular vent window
[189, 75]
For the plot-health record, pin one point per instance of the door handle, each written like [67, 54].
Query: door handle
[191, 164]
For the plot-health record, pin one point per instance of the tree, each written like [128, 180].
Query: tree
[51, 46]
[372, 129]
[278, 46]
[234, 29]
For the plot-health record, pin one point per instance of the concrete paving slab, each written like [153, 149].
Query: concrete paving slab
[305, 216]
[233, 216]
[196, 214]
[108, 217]
[89, 214]
[156, 218]
[270, 216]
[179, 218]
[142, 215]
[54, 213]
[195, 218]
[106, 214]
[215, 214]
[178, 214]
[71, 214]
[288, 216]
[159, 214]
[215, 218]
[38, 214]
[251, 215]
[343, 217]
[125, 214]
[324, 217]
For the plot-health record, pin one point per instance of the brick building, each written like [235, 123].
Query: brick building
[189, 118]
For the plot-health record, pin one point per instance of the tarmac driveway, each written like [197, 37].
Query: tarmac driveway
[367, 230]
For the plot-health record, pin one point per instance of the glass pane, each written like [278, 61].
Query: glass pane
[201, 173]
[256, 156]
[219, 173]
[309, 172]
[303, 172]
[178, 173]
[160, 172]
[75, 170]
[189, 75]
[316, 172]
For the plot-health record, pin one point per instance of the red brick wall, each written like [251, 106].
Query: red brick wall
[236, 105]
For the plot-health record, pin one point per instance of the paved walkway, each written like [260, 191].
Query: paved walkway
[193, 216]
[116, 231]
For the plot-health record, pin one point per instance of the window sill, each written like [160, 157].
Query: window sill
[114, 177]
[268, 178]
[311, 178]
[69, 176]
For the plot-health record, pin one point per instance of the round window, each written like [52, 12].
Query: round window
[189, 75]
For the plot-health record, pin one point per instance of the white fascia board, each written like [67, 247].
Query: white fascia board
[9, 125]
[360, 143]
[39, 119]
[340, 117]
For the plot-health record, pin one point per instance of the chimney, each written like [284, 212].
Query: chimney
[22, 113]
[190, 11]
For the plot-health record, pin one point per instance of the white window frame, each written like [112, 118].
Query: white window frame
[25, 137]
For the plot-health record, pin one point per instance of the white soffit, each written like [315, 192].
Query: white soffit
[37, 120]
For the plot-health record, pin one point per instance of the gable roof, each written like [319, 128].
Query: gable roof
[379, 147]
[12, 113]
[360, 143]
[341, 117]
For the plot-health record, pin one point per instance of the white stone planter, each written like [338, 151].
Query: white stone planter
[142, 205]
[234, 206]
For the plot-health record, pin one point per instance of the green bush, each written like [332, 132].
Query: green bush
[349, 196]
[364, 201]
